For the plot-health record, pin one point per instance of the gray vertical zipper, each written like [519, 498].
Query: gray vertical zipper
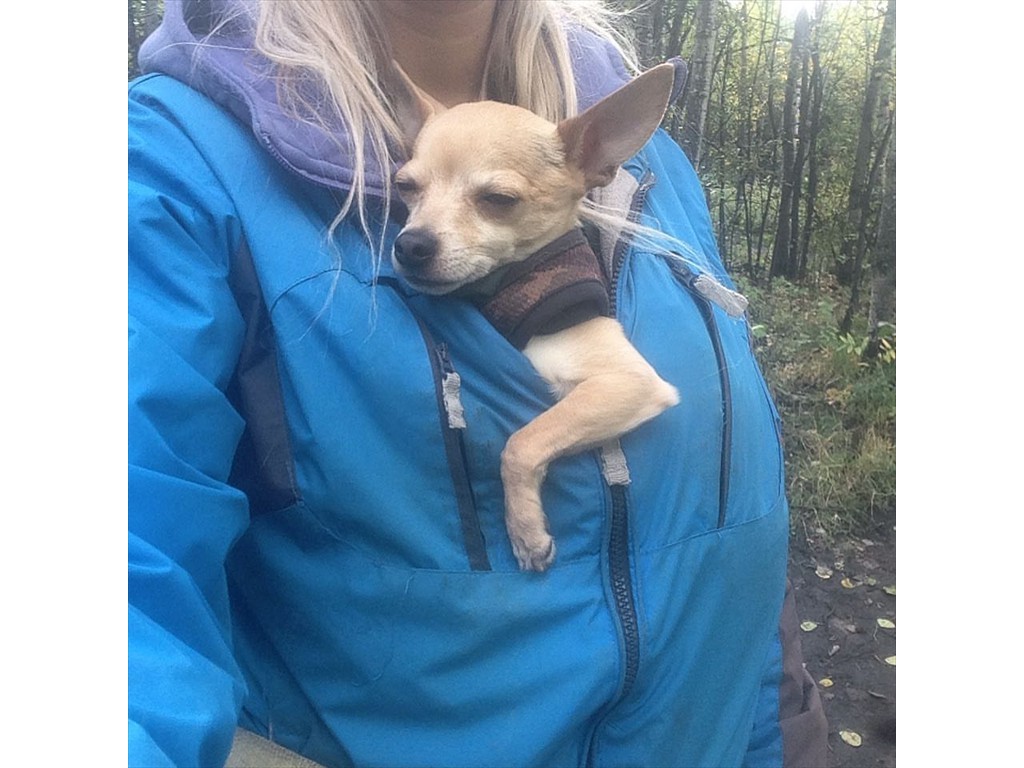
[615, 471]
[704, 291]
[616, 475]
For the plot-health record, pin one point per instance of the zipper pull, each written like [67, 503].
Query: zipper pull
[451, 389]
[613, 464]
[709, 289]
[734, 304]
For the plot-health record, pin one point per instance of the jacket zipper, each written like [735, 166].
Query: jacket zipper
[619, 565]
[449, 408]
[619, 254]
[620, 579]
[704, 305]
[622, 586]
[616, 475]
[723, 374]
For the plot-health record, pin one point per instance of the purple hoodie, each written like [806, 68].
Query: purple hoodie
[226, 67]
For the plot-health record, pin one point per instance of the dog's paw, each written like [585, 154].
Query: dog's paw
[534, 550]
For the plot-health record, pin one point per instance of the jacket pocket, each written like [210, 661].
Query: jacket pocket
[713, 461]
[707, 312]
[371, 396]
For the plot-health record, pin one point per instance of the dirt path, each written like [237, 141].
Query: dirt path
[842, 590]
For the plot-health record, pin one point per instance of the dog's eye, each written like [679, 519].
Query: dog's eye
[499, 199]
[406, 186]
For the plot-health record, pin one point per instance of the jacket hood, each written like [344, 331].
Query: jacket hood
[209, 45]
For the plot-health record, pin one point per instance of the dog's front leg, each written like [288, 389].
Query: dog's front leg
[522, 473]
[606, 388]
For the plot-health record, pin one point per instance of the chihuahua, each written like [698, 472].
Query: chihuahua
[494, 195]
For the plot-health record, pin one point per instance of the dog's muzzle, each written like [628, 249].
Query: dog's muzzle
[415, 247]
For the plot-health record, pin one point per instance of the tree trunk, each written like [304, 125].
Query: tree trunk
[744, 206]
[783, 264]
[817, 98]
[724, 238]
[802, 148]
[657, 24]
[768, 155]
[675, 39]
[644, 31]
[745, 98]
[856, 241]
[698, 89]
[882, 306]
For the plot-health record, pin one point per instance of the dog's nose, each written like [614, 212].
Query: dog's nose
[414, 247]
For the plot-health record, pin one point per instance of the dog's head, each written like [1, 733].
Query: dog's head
[487, 184]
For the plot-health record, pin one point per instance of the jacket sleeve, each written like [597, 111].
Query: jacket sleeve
[790, 729]
[184, 334]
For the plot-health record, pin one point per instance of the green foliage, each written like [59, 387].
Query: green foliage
[837, 398]
[741, 162]
[867, 349]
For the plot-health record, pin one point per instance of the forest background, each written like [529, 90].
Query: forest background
[789, 116]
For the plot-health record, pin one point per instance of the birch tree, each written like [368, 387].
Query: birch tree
[698, 88]
[868, 156]
[882, 304]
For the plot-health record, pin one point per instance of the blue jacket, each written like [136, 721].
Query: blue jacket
[317, 552]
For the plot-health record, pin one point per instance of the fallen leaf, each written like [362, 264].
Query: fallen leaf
[890, 590]
[833, 651]
[826, 682]
[850, 737]
[886, 624]
[823, 572]
[871, 581]
[848, 583]
[840, 564]
[890, 660]
[807, 626]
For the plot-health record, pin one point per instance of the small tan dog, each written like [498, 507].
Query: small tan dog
[490, 185]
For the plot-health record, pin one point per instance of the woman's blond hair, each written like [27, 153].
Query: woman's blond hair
[341, 50]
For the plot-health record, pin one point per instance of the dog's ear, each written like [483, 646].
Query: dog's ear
[413, 106]
[605, 136]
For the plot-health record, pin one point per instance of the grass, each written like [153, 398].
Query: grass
[838, 407]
